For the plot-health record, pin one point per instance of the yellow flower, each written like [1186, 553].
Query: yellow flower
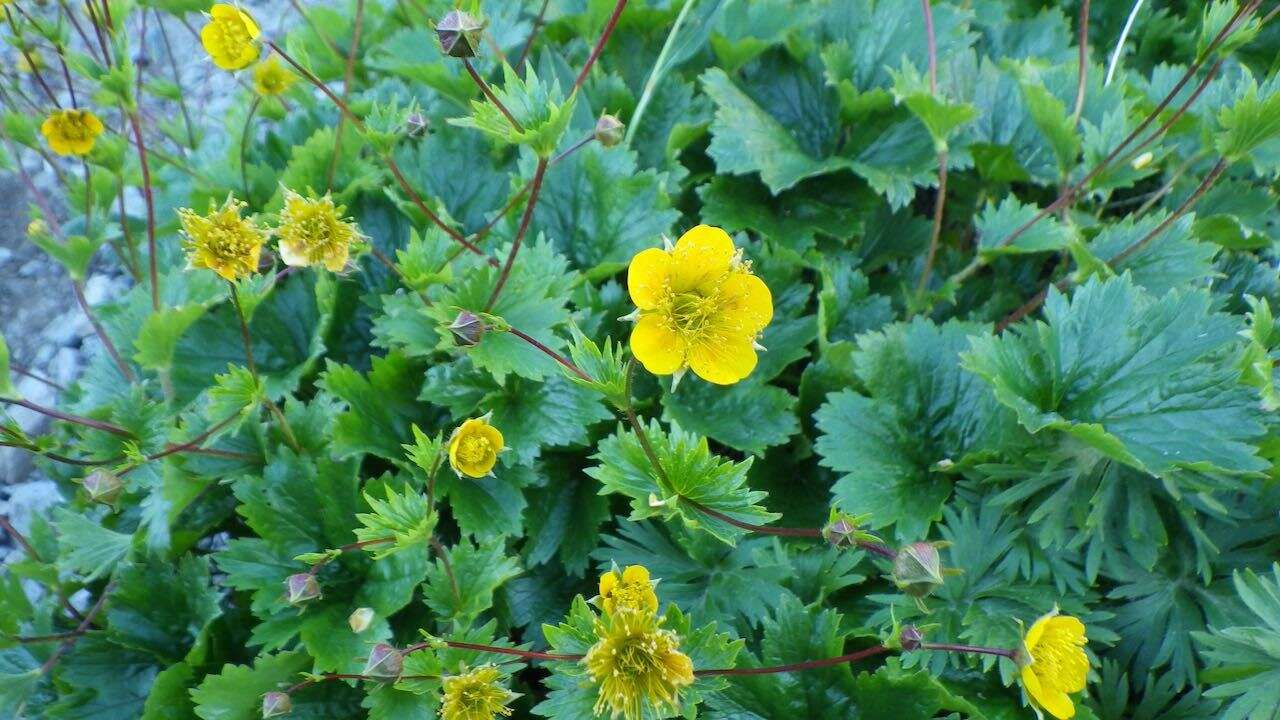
[271, 78]
[221, 240]
[636, 664]
[699, 307]
[71, 132]
[230, 37]
[1054, 664]
[629, 591]
[474, 447]
[314, 231]
[475, 695]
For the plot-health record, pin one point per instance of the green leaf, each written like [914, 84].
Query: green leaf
[160, 334]
[692, 484]
[1130, 375]
[746, 139]
[1247, 124]
[539, 109]
[87, 548]
[7, 390]
[721, 413]
[1173, 259]
[940, 116]
[998, 222]
[73, 254]
[170, 696]
[236, 692]
[603, 364]
[892, 693]
[404, 516]
[462, 588]
[380, 406]
[1246, 658]
[1051, 117]
[165, 608]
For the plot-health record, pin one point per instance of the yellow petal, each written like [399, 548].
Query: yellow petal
[657, 347]
[748, 301]
[608, 582]
[723, 360]
[1037, 629]
[647, 277]
[635, 574]
[701, 257]
[1066, 625]
[493, 435]
[1057, 704]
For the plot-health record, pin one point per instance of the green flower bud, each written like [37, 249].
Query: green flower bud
[609, 131]
[917, 569]
[102, 486]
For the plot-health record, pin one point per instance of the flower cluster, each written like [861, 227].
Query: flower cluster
[635, 663]
[698, 306]
[311, 231]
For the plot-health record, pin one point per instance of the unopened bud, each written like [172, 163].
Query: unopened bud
[385, 662]
[275, 704]
[415, 126]
[609, 130]
[37, 228]
[910, 637]
[468, 329]
[845, 530]
[917, 569]
[360, 619]
[103, 487]
[459, 34]
[301, 588]
[1142, 160]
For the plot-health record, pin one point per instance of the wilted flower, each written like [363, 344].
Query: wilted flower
[699, 307]
[474, 447]
[636, 663]
[629, 590]
[71, 132]
[221, 240]
[271, 77]
[313, 231]
[475, 695]
[1054, 664]
[230, 37]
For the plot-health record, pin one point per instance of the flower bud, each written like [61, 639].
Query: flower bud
[415, 126]
[275, 704]
[468, 329]
[910, 637]
[1142, 160]
[38, 229]
[917, 569]
[385, 662]
[103, 487]
[609, 131]
[845, 530]
[301, 588]
[360, 619]
[459, 34]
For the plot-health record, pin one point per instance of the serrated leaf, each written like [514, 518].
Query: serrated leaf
[998, 222]
[236, 692]
[403, 516]
[87, 548]
[539, 108]
[463, 588]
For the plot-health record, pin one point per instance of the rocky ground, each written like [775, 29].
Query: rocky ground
[46, 332]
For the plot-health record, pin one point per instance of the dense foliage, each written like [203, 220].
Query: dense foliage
[1019, 355]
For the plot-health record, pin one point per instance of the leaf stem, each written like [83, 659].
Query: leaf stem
[793, 667]
[1082, 43]
[275, 410]
[533, 33]
[98, 330]
[80, 630]
[599, 47]
[535, 190]
[947, 647]
[347, 74]
[656, 74]
[488, 93]
[526, 654]
[244, 146]
[66, 417]
[940, 200]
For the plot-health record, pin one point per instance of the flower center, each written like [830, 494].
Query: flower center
[474, 449]
[689, 313]
[1056, 659]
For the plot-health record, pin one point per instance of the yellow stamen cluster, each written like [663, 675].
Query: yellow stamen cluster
[230, 37]
[628, 590]
[271, 77]
[636, 664]
[1054, 664]
[221, 240]
[699, 307]
[475, 695]
[314, 231]
[71, 132]
[474, 448]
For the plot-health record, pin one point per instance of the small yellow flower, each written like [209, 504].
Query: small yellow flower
[700, 307]
[475, 695]
[230, 37]
[271, 78]
[221, 240]
[474, 447]
[71, 132]
[1054, 664]
[629, 591]
[636, 664]
[314, 231]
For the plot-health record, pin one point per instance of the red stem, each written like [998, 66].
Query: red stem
[526, 654]
[536, 189]
[100, 332]
[551, 354]
[136, 124]
[948, 647]
[807, 665]
[604, 38]
[80, 630]
[58, 415]
[488, 93]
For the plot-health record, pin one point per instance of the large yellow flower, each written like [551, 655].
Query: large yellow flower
[221, 240]
[1054, 664]
[699, 307]
[271, 77]
[630, 590]
[475, 695]
[636, 664]
[71, 132]
[314, 231]
[230, 37]
[474, 447]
